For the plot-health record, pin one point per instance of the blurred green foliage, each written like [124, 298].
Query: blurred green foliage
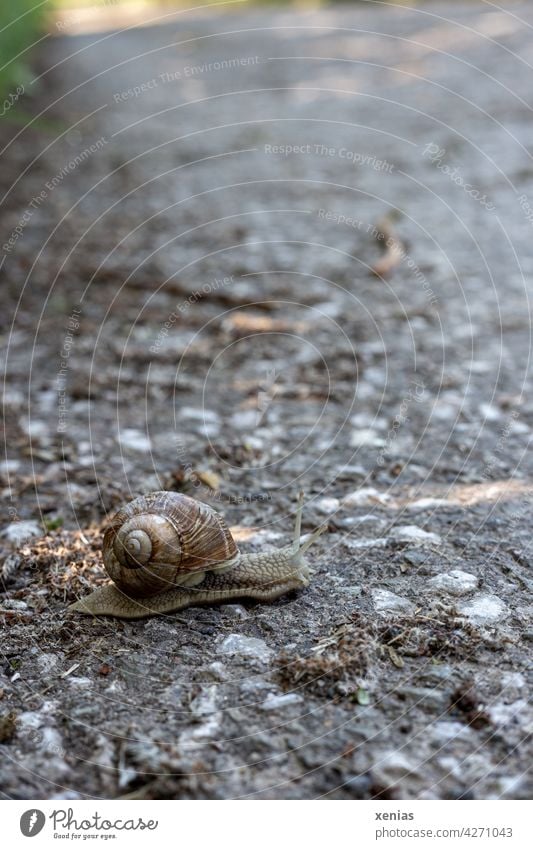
[20, 25]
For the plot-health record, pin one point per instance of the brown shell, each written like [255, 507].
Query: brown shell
[185, 536]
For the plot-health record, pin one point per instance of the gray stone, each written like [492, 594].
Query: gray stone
[135, 440]
[365, 497]
[241, 646]
[14, 604]
[365, 436]
[430, 504]
[385, 601]
[20, 532]
[236, 610]
[326, 506]
[455, 582]
[205, 703]
[483, 609]
[277, 702]
[414, 534]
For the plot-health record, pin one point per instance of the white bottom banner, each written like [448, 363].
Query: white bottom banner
[260, 824]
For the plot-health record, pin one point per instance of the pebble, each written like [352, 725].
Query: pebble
[19, 532]
[134, 439]
[245, 419]
[365, 497]
[359, 785]
[365, 542]
[444, 732]
[502, 714]
[254, 686]
[47, 662]
[391, 767]
[415, 557]
[236, 610]
[7, 466]
[199, 414]
[79, 682]
[483, 609]
[430, 504]
[276, 702]
[455, 582]
[205, 703]
[240, 646]
[215, 671]
[35, 428]
[414, 534]
[30, 719]
[327, 505]
[365, 436]
[14, 604]
[354, 590]
[390, 602]
[52, 740]
[349, 472]
[193, 736]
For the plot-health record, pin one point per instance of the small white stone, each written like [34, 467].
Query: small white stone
[501, 714]
[367, 496]
[490, 412]
[513, 679]
[414, 534]
[52, 741]
[19, 532]
[7, 466]
[391, 767]
[47, 662]
[240, 646]
[246, 419]
[134, 439]
[205, 703]
[327, 506]
[365, 542]
[455, 582]
[199, 414]
[30, 719]
[216, 671]
[385, 601]
[79, 682]
[430, 504]
[35, 428]
[192, 737]
[275, 702]
[444, 732]
[236, 610]
[365, 436]
[14, 604]
[483, 608]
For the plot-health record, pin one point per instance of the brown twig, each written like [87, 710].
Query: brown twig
[394, 250]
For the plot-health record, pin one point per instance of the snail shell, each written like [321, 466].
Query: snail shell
[163, 539]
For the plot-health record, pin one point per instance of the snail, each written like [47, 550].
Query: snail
[165, 551]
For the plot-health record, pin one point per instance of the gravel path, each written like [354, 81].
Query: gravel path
[246, 253]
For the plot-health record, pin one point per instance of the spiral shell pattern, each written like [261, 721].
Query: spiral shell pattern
[158, 538]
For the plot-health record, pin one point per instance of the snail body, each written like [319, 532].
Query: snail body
[165, 551]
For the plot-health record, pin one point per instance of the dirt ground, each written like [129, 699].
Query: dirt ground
[246, 253]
